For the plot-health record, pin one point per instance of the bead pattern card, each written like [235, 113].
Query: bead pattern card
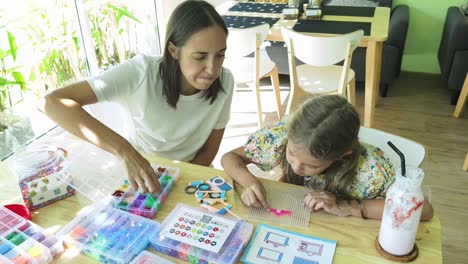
[199, 229]
[274, 245]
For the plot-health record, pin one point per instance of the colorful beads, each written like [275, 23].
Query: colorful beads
[145, 204]
[43, 176]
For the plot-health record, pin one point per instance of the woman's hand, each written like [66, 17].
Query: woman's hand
[140, 173]
[254, 194]
[327, 201]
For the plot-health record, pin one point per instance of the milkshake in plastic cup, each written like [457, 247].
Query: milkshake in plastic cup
[402, 212]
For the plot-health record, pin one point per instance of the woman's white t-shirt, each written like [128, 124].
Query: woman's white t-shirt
[159, 129]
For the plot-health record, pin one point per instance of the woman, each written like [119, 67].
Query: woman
[179, 103]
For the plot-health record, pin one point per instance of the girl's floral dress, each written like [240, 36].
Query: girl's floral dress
[375, 172]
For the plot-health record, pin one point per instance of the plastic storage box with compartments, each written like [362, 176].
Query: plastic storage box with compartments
[108, 234]
[22, 241]
[197, 236]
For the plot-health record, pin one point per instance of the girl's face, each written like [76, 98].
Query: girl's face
[303, 163]
[200, 59]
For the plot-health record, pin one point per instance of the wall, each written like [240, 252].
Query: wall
[424, 33]
[164, 10]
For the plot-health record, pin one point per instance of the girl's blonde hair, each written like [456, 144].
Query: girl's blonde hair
[328, 126]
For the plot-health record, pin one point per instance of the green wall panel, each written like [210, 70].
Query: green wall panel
[424, 33]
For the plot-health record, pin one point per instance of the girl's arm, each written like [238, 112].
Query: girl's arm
[65, 107]
[235, 165]
[208, 151]
[373, 209]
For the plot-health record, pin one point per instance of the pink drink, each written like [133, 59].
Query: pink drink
[403, 207]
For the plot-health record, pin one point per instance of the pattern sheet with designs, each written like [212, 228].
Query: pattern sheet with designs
[274, 245]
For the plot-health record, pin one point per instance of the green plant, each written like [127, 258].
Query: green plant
[10, 76]
[54, 35]
[111, 36]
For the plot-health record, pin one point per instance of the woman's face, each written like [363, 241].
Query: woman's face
[303, 163]
[200, 59]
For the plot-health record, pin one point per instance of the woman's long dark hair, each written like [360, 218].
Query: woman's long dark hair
[328, 126]
[187, 19]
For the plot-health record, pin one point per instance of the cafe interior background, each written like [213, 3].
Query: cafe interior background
[47, 44]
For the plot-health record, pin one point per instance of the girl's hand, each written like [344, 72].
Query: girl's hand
[140, 173]
[327, 201]
[254, 195]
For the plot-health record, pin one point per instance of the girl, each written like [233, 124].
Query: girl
[318, 148]
[179, 103]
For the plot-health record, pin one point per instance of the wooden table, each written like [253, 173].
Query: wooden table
[373, 42]
[355, 237]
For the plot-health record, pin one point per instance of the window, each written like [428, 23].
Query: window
[46, 44]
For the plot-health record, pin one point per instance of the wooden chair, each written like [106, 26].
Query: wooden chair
[462, 99]
[459, 108]
[319, 75]
[241, 43]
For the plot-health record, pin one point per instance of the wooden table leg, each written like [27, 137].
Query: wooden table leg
[373, 64]
[462, 99]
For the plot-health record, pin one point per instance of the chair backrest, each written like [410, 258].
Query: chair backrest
[321, 50]
[242, 41]
[414, 152]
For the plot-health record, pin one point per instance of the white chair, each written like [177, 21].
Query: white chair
[241, 43]
[319, 75]
[414, 152]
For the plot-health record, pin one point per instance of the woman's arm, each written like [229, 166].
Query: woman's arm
[235, 165]
[208, 151]
[65, 107]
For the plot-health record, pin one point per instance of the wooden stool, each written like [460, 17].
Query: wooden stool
[462, 99]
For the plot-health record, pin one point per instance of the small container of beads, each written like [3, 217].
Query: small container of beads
[22, 241]
[108, 234]
[197, 236]
[41, 170]
[145, 204]
[146, 257]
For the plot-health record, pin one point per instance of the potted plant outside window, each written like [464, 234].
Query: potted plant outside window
[14, 130]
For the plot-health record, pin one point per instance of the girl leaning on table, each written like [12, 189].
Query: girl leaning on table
[179, 103]
[318, 147]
